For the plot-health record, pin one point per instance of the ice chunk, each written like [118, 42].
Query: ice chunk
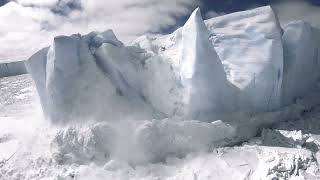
[249, 45]
[301, 60]
[173, 137]
[137, 141]
[77, 145]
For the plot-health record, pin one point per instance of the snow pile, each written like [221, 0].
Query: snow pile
[276, 162]
[246, 162]
[76, 145]
[283, 138]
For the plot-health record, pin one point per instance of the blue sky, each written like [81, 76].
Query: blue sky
[228, 6]
[220, 7]
[28, 25]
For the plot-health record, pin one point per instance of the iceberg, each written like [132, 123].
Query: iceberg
[238, 68]
[165, 98]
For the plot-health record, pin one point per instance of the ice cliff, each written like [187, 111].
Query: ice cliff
[205, 70]
[12, 68]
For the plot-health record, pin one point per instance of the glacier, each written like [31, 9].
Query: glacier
[227, 77]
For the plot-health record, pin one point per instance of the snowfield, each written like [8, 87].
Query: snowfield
[233, 97]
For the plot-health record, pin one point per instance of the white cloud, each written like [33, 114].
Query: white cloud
[47, 3]
[211, 14]
[28, 25]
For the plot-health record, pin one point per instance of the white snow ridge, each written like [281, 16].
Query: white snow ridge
[172, 106]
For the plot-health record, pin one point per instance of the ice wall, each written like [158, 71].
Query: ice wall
[249, 45]
[301, 60]
[12, 68]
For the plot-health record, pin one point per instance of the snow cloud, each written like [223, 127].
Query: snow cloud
[28, 25]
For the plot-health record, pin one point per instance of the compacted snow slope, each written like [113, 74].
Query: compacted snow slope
[165, 106]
